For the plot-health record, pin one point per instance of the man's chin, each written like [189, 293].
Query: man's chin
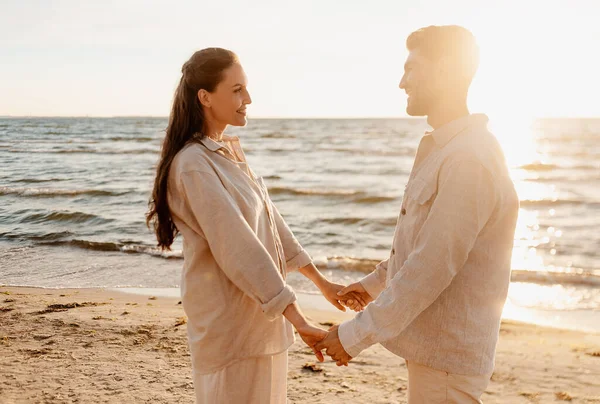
[412, 111]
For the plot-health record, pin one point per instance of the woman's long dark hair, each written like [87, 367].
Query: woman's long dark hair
[204, 70]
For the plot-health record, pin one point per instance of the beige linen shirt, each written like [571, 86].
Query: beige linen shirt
[440, 294]
[237, 250]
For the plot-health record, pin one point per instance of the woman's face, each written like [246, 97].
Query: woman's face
[226, 105]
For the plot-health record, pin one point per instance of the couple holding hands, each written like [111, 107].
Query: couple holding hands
[436, 301]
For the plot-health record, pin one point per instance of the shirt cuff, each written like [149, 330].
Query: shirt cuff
[350, 339]
[373, 283]
[301, 259]
[277, 305]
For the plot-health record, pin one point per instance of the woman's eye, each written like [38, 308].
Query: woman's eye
[239, 90]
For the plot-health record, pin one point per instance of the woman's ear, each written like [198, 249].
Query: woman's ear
[204, 97]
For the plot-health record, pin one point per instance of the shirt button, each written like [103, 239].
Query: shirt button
[403, 211]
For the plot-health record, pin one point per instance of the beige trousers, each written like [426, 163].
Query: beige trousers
[431, 386]
[261, 380]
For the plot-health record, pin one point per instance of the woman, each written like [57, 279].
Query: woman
[237, 248]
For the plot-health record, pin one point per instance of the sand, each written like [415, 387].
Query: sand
[101, 346]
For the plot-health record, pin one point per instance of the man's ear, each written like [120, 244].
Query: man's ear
[204, 98]
[444, 67]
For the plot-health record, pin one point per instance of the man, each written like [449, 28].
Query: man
[437, 300]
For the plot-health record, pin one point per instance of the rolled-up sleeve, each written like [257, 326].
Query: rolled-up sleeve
[295, 256]
[465, 201]
[234, 245]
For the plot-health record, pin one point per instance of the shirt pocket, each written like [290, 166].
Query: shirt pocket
[418, 198]
[420, 191]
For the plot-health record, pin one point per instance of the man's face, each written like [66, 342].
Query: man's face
[420, 82]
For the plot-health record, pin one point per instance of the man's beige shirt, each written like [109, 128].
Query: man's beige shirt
[440, 294]
[237, 250]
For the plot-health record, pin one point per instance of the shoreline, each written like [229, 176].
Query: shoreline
[97, 345]
[582, 320]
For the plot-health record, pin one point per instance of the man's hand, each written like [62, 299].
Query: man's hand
[331, 343]
[330, 289]
[330, 292]
[311, 335]
[357, 292]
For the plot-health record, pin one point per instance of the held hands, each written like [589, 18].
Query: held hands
[308, 332]
[355, 295]
[311, 335]
[333, 347]
[341, 296]
[318, 339]
[330, 290]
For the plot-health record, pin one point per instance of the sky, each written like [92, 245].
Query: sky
[322, 58]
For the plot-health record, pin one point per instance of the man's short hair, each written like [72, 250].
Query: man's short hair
[453, 42]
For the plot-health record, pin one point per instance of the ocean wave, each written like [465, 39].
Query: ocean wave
[108, 246]
[316, 192]
[374, 199]
[555, 202]
[583, 167]
[538, 166]
[155, 252]
[403, 152]
[140, 139]
[37, 237]
[36, 180]
[337, 263]
[571, 138]
[85, 244]
[550, 167]
[73, 217]
[565, 178]
[364, 265]
[84, 151]
[51, 192]
[351, 195]
[276, 150]
[551, 278]
[356, 220]
[277, 135]
[107, 152]
[57, 132]
[342, 220]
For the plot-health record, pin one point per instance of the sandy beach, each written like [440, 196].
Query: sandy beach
[103, 346]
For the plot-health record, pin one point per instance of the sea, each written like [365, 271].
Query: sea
[74, 193]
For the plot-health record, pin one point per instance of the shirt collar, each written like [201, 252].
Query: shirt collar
[213, 145]
[447, 132]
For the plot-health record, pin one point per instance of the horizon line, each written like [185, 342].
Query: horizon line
[250, 118]
[273, 117]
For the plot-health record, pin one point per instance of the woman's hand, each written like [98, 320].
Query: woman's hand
[330, 290]
[308, 332]
[352, 300]
[311, 335]
[357, 292]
